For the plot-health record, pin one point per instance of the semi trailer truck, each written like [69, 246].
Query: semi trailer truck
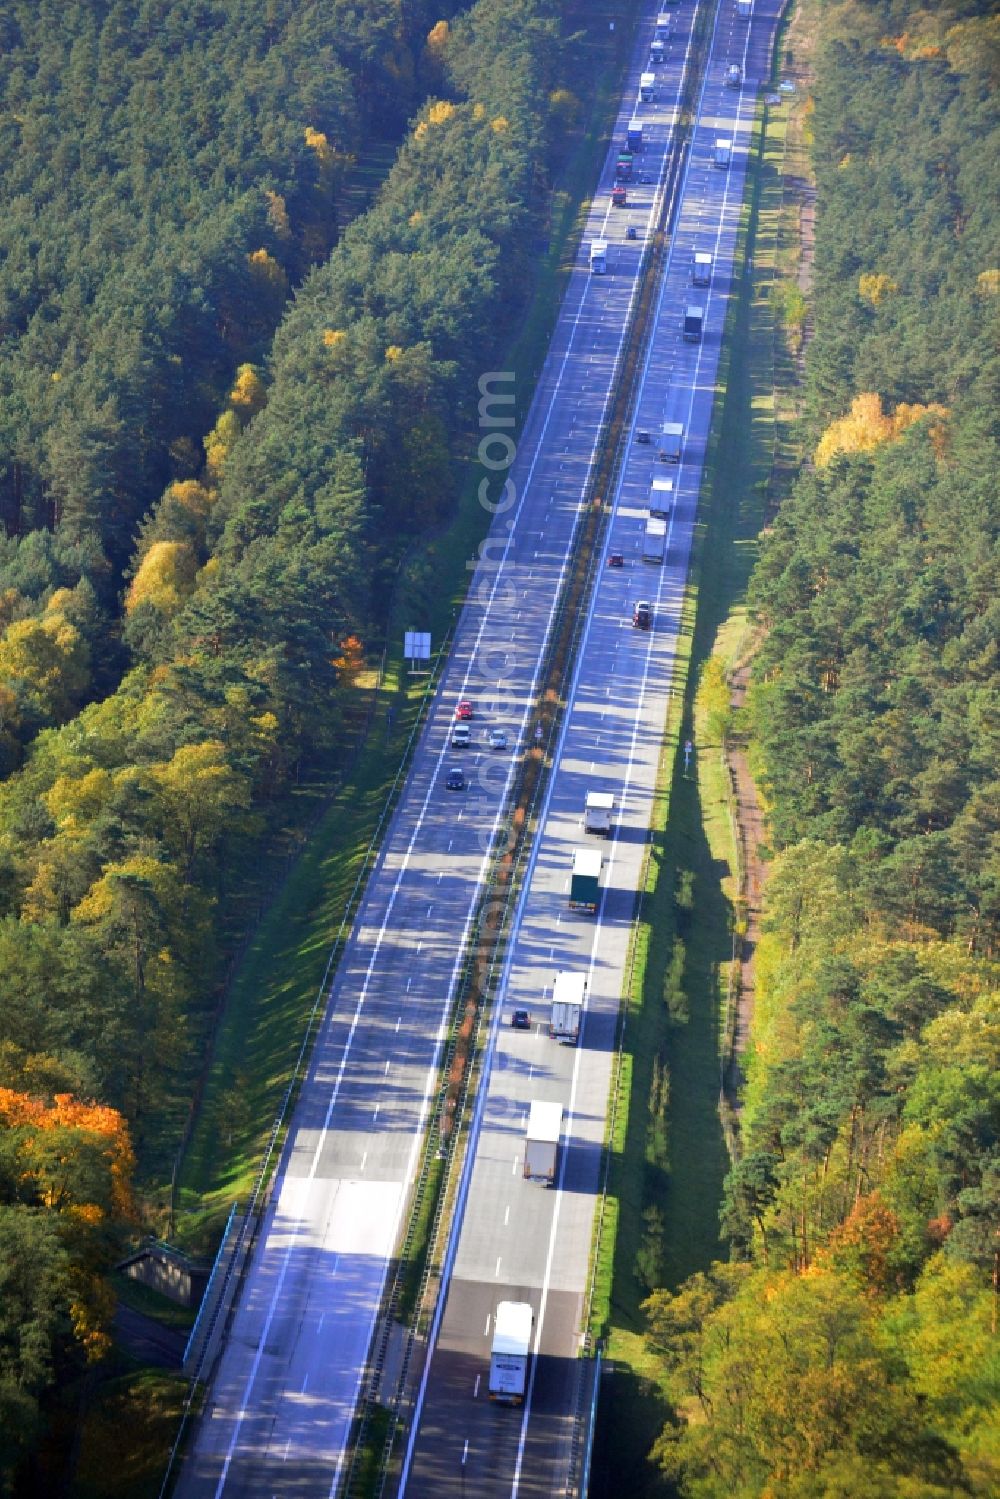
[701, 268]
[541, 1142]
[654, 541]
[568, 996]
[661, 497]
[585, 880]
[597, 813]
[694, 322]
[513, 1324]
[671, 442]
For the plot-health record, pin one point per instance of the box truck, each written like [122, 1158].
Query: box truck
[633, 135]
[654, 541]
[584, 884]
[541, 1142]
[599, 257]
[647, 85]
[694, 321]
[657, 53]
[662, 32]
[661, 497]
[597, 813]
[701, 268]
[723, 151]
[743, 9]
[513, 1324]
[568, 996]
[671, 441]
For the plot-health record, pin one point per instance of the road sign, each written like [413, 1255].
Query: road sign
[416, 647]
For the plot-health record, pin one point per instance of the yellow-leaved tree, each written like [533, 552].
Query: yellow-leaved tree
[45, 663]
[867, 426]
[219, 444]
[165, 577]
[875, 286]
[249, 393]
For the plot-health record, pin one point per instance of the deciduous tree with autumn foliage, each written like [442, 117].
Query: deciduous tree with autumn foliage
[65, 1207]
[851, 1349]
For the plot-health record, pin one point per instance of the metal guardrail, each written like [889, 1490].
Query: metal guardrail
[211, 1302]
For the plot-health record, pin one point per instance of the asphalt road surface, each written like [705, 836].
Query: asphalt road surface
[279, 1409]
[518, 1240]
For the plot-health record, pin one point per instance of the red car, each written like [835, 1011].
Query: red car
[464, 710]
[616, 559]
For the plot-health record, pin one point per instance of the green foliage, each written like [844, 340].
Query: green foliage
[170, 230]
[650, 1255]
[675, 995]
[792, 1391]
[852, 1351]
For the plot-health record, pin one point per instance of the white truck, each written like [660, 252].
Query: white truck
[671, 442]
[701, 268]
[654, 542]
[568, 996]
[743, 9]
[694, 323]
[599, 257]
[541, 1142]
[597, 813]
[585, 880]
[657, 53]
[513, 1325]
[647, 86]
[661, 497]
[662, 32]
[723, 151]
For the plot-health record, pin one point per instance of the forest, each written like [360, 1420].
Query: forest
[849, 1346]
[225, 412]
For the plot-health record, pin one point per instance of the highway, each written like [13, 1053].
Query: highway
[278, 1412]
[517, 1240]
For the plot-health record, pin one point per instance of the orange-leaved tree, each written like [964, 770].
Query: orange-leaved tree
[72, 1161]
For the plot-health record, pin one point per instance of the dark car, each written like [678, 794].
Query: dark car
[456, 779]
[642, 615]
[642, 435]
[630, 232]
[616, 559]
[521, 1020]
